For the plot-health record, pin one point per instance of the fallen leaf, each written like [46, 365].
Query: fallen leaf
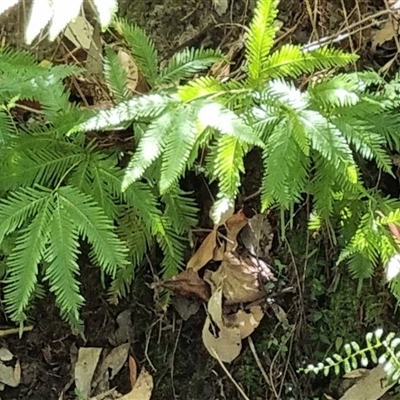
[142, 389]
[185, 307]
[246, 322]
[241, 279]
[204, 253]
[223, 208]
[113, 362]
[214, 307]
[388, 32]
[370, 387]
[226, 343]
[257, 235]
[132, 371]
[188, 284]
[234, 225]
[281, 315]
[356, 373]
[88, 358]
[80, 32]
[5, 354]
[9, 376]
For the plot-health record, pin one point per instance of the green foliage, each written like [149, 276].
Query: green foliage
[314, 139]
[356, 357]
[58, 190]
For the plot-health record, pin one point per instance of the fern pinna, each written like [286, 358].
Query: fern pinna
[379, 349]
[311, 135]
[58, 190]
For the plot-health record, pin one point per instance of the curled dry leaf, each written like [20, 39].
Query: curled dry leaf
[132, 371]
[241, 279]
[221, 341]
[226, 344]
[234, 225]
[142, 389]
[222, 335]
[257, 235]
[204, 253]
[188, 284]
[245, 321]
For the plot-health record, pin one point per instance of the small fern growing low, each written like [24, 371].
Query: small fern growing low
[379, 349]
[58, 191]
[312, 138]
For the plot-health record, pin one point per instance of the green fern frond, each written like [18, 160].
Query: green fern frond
[133, 231]
[322, 187]
[145, 106]
[379, 349]
[141, 199]
[20, 206]
[173, 247]
[143, 49]
[178, 145]
[108, 250]
[362, 251]
[115, 75]
[229, 164]
[22, 61]
[188, 62]
[227, 122]
[199, 88]
[149, 149]
[62, 270]
[260, 38]
[326, 139]
[367, 142]
[292, 61]
[7, 127]
[339, 91]
[180, 210]
[281, 152]
[44, 167]
[22, 265]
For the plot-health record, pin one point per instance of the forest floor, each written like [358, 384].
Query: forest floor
[317, 306]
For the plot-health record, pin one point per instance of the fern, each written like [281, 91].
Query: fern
[312, 140]
[260, 39]
[142, 48]
[115, 75]
[187, 63]
[378, 350]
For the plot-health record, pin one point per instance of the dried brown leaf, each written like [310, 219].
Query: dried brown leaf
[241, 279]
[188, 284]
[142, 389]
[246, 322]
[132, 371]
[388, 32]
[204, 253]
[234, 225]
[226, 343]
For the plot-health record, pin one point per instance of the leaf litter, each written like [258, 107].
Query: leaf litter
[227, 273]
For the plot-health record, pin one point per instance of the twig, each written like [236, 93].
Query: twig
[260, 367]
[345, 32]
[229, 375]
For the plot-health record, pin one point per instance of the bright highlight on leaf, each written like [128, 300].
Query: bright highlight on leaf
[6, 4]
[59, 13]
